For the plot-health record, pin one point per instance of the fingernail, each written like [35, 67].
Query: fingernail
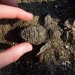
[27, 48]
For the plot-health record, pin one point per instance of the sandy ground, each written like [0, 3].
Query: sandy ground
[57, 59]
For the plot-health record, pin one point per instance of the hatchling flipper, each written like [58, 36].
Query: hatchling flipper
[44, 47]
[48, 21]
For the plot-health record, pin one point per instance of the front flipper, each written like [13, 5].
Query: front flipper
[45, 47]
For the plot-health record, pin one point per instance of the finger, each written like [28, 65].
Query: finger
[14, 53]
[12, 12]
[9, 2]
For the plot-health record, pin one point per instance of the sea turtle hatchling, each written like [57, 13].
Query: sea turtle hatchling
[37, 34]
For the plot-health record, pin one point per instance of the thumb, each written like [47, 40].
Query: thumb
[14, 53]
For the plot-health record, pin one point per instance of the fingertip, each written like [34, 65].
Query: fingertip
[30, 15]
[20, 50]
[28, 47]
[24, 15]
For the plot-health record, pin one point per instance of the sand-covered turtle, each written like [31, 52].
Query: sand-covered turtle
[37, 34]
[34, 34]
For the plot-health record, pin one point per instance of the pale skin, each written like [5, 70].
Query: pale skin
[10, 9]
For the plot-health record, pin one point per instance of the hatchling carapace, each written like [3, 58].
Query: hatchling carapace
[34, 34]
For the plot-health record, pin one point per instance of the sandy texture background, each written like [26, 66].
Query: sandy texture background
[59, 59]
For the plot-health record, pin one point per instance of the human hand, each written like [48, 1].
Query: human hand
[13, 12]
[14, 53]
